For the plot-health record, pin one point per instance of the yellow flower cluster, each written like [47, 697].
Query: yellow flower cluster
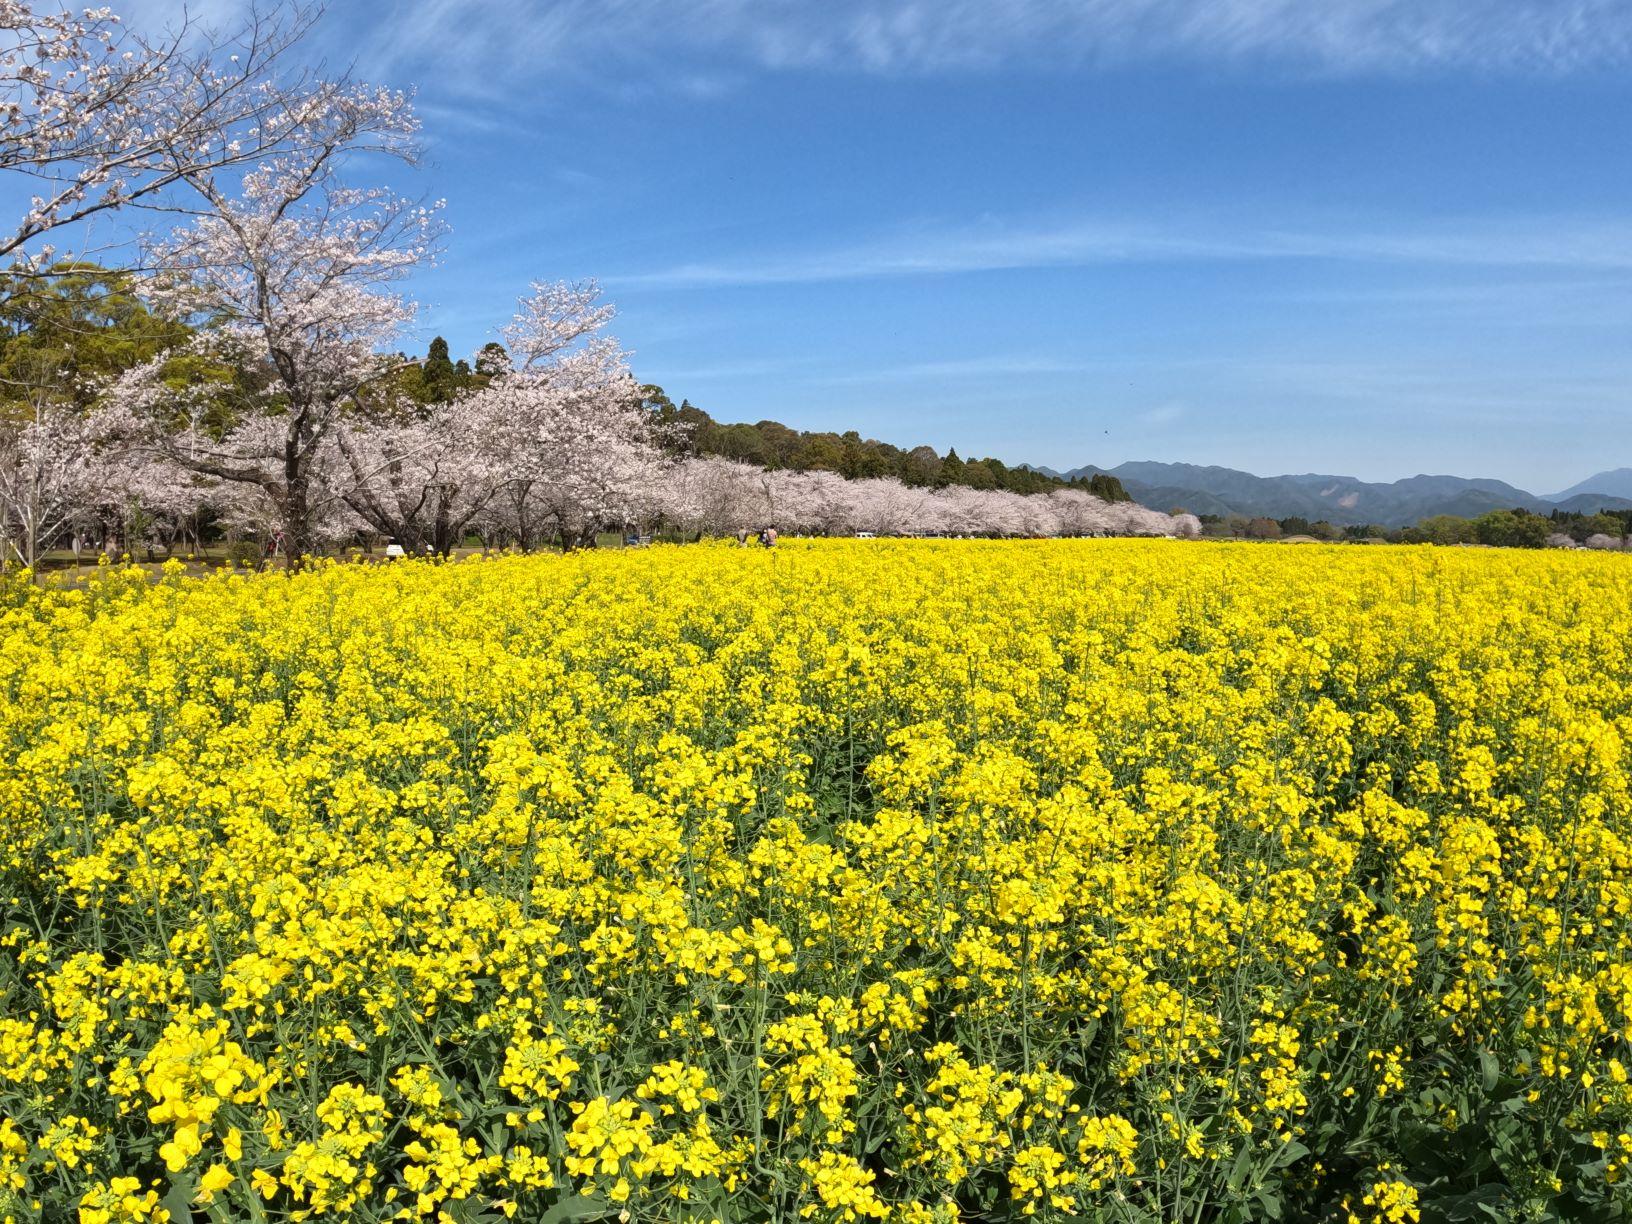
[907, 881]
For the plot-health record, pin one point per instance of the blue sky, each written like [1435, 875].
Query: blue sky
[1371, 237]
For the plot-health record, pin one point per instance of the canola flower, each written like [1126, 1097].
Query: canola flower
[913, 881]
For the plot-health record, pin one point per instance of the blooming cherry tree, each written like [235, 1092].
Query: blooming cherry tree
[48, 474]
[97, 117]
[719, 496]
[557, 441]
[295, 270]
[716, 496]
[422, 475]
[582, 450]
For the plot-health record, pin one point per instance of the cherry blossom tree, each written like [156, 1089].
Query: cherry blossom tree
[1130, 518]
[582, 452]
[246, 509]
[556, 332]
[584, 458]
[715, 496]
[557, 442]
[1079, 513]
[884, 506]
[294, 270]
[816, 502]
[1186, 526]
[422, 475]
[47, 476]
[137, 502]
[98, 117]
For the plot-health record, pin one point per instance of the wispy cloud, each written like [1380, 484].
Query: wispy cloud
[476, 48]
[1541, 244]
[1517, 298]
[981, 249]
[1168, 413]
[934, 35]
[754, 371]
[442, 119]
[963, 369]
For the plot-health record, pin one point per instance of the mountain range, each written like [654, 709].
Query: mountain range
[1345, 500]
[1617, 482]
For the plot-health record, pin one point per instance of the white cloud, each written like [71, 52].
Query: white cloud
[1532, 244]
[932, 35]
[996, 366]
[1168, 413]
[477, 48]
[754, 371]
[981, 249]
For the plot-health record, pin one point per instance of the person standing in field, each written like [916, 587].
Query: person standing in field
[742, 537]
[769, 536]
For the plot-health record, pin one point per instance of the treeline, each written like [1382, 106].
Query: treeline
[244, 382]
[773, 445]
[437, 378]
[123, 429]
[1516, 528]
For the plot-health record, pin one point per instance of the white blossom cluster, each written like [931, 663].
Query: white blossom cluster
[719, 496]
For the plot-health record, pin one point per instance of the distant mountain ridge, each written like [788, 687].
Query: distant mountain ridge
[1346, 500]
[1616, 483]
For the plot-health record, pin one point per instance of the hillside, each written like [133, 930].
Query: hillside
[1343, 500]
[771, 444]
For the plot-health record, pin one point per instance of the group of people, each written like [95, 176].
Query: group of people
[765, 536]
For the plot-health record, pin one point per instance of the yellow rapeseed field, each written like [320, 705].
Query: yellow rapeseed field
[874, 880]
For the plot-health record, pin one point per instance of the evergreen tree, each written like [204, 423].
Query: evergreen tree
[439, 379]
[61, 333]
[922, 466]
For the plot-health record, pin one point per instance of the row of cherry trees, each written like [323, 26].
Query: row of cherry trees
[551, 447]
[717, 496]
[524, 463]
[281, 415]
[554, 448]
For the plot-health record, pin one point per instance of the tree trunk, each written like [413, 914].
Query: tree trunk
[441, 533]
[296, 522]
[31, 542]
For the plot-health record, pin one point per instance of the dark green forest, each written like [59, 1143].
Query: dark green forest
[771, 444]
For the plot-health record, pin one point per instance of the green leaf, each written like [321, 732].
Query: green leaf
[1269, 1200]
[179, 1200]
[1485, 1201]
[578, 1207]
[1290, 1153]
